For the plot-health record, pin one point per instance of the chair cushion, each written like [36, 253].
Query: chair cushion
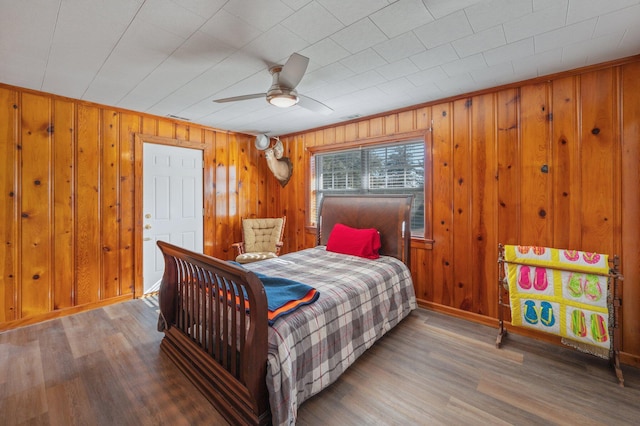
[254, 257]
[261, 235]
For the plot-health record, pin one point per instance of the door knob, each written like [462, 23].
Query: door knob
[147, 226]
[147, 216]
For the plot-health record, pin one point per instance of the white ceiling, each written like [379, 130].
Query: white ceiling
[173, 57]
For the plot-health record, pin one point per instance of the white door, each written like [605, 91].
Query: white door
[172, 205]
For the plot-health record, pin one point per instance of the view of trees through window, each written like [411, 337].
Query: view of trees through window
[388, 169]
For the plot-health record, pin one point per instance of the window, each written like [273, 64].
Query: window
[381, 169]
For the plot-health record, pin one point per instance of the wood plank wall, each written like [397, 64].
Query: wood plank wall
[68, 191]
[551, 163]
[67, 185]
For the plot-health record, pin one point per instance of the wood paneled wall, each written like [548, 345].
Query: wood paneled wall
[68, 188]
[551, 163]
[554, 162]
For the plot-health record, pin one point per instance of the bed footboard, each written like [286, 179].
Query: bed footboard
[214, 316]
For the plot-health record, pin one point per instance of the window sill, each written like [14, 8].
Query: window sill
[423, 243]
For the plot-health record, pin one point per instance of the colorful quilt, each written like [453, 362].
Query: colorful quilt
[563, 292]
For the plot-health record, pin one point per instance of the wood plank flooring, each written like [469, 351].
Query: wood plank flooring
[105, 367]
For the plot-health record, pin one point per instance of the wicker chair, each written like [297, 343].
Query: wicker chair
[261, 239]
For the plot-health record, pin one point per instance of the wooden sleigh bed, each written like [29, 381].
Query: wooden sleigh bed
[215, 314]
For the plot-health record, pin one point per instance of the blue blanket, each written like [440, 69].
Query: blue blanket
[284, 295]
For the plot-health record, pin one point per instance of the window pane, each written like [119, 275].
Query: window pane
[417, 214]
[340, 171]
[400, 166]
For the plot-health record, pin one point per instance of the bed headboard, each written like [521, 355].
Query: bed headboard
[389, 214]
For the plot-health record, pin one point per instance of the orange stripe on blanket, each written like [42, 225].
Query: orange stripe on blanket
[292, 305]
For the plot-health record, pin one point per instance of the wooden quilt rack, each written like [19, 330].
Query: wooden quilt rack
[614, 302]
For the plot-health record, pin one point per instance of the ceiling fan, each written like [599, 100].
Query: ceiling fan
[282, 92]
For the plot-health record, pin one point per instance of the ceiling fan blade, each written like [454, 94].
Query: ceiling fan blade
[313, 105]
[241, 98]
[293, 71]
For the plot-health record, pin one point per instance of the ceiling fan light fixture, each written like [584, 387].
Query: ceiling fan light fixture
[282, 93]
[283, 100]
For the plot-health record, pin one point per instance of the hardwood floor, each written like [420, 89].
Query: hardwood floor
[102, 367]
[434, 369]
[105, 367]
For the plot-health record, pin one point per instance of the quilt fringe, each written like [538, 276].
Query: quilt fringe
[586, 348]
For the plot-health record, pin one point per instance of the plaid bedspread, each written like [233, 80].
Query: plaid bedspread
[360, 300]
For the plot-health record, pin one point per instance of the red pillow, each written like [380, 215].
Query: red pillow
[356, 242]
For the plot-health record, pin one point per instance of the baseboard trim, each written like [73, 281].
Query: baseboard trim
[629, 359]
[36, 319]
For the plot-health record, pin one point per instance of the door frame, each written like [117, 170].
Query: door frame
[207, 188]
